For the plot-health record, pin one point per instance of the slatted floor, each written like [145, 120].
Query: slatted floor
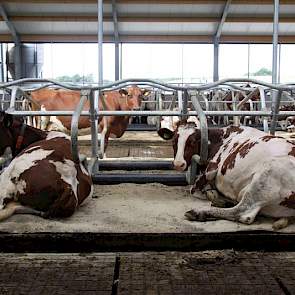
[211, 272]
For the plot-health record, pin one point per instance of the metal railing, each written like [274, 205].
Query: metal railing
[87, 93]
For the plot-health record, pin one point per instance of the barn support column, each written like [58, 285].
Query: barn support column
[216, 60]
[276, 95]
[2, 62]
[100, 40]
[116, 39]
[17, 43]
[275, 42]
[94, 99]
[216, 41]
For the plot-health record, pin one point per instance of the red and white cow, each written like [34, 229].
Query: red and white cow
[42, 179]
[60, 99]
[253, 169]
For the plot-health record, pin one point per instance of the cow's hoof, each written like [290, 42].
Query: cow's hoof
[280, 223]
[193, 215]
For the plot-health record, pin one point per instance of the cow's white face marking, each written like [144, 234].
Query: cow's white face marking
[9, 179]
[55, 134]
[68, 173]
[184, 133]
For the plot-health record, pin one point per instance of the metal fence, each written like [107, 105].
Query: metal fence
[193, 94]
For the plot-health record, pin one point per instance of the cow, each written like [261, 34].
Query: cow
[42, 179]
[224, 102]
[287, 122]
[252, 168]
[60, 99]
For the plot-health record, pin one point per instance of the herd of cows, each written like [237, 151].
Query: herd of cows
[255, 171]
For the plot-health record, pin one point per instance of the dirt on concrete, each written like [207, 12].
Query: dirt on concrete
[135, 208]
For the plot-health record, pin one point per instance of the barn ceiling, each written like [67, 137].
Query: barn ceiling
[146, 21]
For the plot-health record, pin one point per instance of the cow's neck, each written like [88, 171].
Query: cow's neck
[215, 137]
[25, 136]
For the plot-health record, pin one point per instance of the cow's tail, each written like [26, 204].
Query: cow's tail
[16, 208]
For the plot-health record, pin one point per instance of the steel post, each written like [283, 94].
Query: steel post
[100, 40]
[275, 42]
[94, 130]
[75, 125]
[216, 60]
[263, 108]
[184, 105]
[204, 130]
[275, 109]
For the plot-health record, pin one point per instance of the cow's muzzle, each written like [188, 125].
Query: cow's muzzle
[179, 165]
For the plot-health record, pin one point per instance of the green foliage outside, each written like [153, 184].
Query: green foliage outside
[76, 78]
[262, 72]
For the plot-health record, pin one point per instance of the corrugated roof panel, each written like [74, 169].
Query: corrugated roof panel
[252, 10]
[169, 9]
[167, 28]
[58, 9]
[60, 28]
[257, 29]
[3, 28]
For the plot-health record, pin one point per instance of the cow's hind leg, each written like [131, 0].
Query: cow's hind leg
[237, 213]
[16, 208]
[245, 211]
[64, 206]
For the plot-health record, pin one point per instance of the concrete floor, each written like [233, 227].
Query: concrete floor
[134, 208]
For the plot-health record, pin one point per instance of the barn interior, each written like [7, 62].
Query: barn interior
[133, 196]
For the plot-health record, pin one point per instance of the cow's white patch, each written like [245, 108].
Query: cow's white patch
[183, 134]
[56, 125]
[44, 120]
[55, 134]
[68, 173]
[9, 180]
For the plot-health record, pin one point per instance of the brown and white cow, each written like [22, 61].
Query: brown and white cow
[42, 179]
[60, 99]
[252, 168]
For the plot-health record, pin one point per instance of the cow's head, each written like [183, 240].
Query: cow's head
[6, 135]
[134, 97]
[186, 142]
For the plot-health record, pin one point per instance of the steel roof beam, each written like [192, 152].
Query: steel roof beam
[17, 42]
[216, 41]
[116, 39]
[147, 19]
[10, 25]
[212, 2]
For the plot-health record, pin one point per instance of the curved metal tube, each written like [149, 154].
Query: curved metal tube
[204, 130]
[275, 110]
[74, 126]
[158, 84]
[263, 107]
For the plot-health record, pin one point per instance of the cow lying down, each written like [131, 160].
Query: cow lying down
[42, 179]
[253, 169]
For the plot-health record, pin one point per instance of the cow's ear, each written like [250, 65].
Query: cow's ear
[123, 92]
[8, 120]
[165, 133]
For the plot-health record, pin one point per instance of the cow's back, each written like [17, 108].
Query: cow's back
[247, 153]
[41, 173]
